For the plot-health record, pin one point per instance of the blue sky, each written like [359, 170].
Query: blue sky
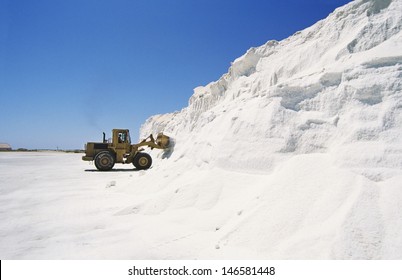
[70, 70]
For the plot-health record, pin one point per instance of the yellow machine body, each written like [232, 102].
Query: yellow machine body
[119, 149]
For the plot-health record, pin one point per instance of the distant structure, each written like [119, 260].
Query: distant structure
[5, 147]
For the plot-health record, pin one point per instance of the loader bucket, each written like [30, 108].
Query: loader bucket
[163, 141]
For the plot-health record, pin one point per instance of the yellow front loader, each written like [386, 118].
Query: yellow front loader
[120, 150]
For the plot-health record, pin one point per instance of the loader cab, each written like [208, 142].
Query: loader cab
[121, 136]
[121, 143]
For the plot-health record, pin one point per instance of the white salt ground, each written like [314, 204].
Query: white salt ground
[307, 208]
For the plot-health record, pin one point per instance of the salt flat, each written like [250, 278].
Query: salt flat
[54, 206]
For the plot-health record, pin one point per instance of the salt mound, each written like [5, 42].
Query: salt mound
[309, 129]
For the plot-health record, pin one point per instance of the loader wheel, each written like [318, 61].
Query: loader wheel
[142, 161]
[104, 161]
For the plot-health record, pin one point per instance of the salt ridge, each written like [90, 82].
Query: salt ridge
[324, 104]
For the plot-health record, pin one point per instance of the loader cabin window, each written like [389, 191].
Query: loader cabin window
[122, 137]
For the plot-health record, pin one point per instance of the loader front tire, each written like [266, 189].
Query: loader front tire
[104, 161]
[142, 161]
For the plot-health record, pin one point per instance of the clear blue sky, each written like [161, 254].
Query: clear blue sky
[71, 69]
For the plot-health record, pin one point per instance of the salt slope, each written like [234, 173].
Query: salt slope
[337, 81]
[318, 115]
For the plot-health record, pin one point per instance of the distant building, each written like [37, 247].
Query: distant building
[5, 147]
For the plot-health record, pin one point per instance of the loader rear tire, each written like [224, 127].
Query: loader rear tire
[142, 161]
[104, 161]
